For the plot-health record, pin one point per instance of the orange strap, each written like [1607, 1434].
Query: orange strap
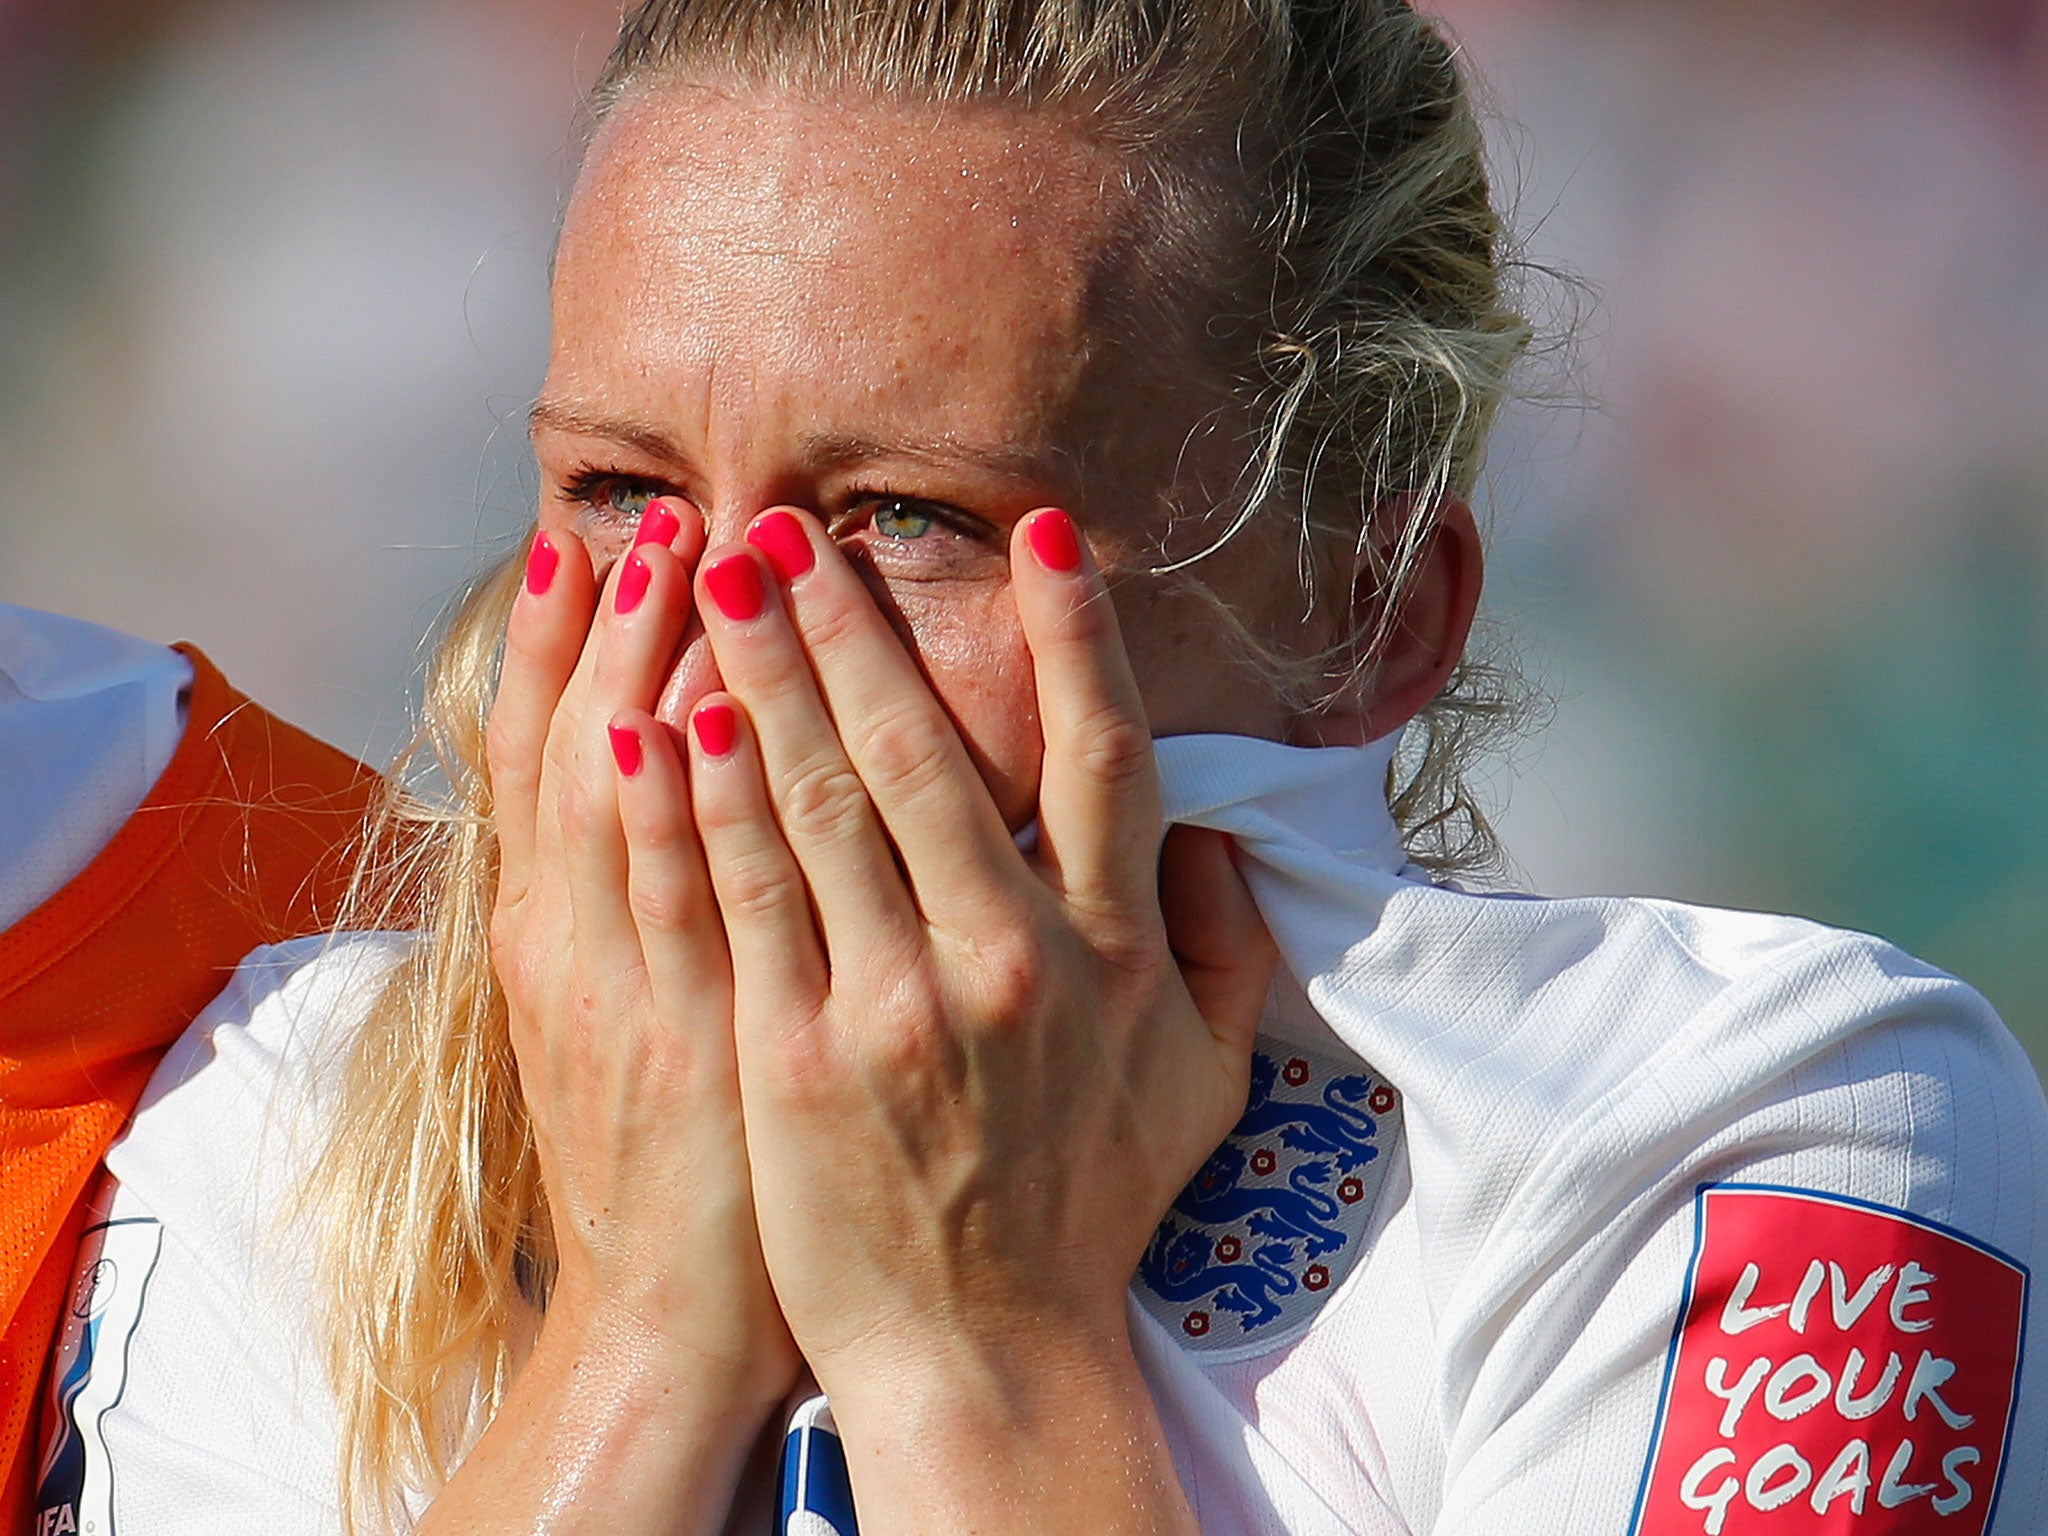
[245, 840]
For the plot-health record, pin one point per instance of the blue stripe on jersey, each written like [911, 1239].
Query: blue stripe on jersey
[817, 1492]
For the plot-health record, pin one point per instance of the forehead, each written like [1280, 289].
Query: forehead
[942, 263]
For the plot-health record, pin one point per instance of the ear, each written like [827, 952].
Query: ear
[1428, 639]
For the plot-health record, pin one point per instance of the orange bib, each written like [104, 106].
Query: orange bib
[245, 840]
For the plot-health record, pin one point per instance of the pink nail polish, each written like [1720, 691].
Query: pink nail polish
[735, 586]
[542, 561]
[780, 537]
[633, 580]
[1053, 541]
[716, 729]
[625, 749]
[658, 525]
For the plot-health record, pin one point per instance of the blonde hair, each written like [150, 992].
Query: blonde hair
[1328, 153]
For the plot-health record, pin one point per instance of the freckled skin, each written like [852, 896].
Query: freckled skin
[745, 272]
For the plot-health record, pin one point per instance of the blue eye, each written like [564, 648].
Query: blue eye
[629, 497]
[898, 518]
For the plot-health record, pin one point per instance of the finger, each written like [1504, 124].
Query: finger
[827, 820]
[570, 730]
[917, 774]
[1098, 798]
[668, 888]
[638, 626]
[778, 964]
[1218, 938]
[543, 640]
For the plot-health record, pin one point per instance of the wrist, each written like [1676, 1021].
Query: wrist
[712, 1391]
[1005, 1378]
[1055, 1432]
[606, 1428]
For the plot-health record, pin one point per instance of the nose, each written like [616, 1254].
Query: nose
[694, 675]
[696, 670]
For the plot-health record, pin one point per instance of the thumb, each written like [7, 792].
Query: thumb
[1225, 954]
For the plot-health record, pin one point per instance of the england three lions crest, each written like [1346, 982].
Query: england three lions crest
[1276, 1218]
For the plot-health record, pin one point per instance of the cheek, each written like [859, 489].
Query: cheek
[972, 650]
[605, 539]
[1182, 655]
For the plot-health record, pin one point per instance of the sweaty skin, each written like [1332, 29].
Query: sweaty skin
[764, 300]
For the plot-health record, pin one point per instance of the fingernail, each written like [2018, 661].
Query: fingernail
[633, 582]
[780, 537]
[716, 729]
[541, 563]
[1053, 541]
[625, 749]
[658, 525]
[735, 586]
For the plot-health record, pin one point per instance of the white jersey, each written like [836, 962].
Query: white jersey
[1605, 1216]
[89, 717]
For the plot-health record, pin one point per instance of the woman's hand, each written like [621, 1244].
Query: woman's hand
[973, 1082]
[663, 1350]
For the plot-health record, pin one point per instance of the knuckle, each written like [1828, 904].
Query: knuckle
[504, 934]
[528, 648]
[664, 905]
[722, 821]
[907, 1048]
[1127, 935]
[833, 620]
[1013, 982]
[807, 1070]
[578, 810]
[516, 963]
[1136, 956]
[754, 884]
[904, 753]
[824, 801]
[1113, 747]
[656, 834]
[509, 757]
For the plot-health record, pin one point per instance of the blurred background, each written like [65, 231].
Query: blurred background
[272, 304]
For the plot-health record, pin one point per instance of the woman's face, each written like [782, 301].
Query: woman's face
[894, 317]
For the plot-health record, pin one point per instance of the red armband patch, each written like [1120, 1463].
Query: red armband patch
[1838, 1367]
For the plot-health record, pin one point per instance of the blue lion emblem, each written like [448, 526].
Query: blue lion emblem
[1244, 1236]
[1181, 1265]
[1336, 1127]
[1217, 1196]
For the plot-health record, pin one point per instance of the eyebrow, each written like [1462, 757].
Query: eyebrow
[825, 449]
[561, 416]
[843, 448]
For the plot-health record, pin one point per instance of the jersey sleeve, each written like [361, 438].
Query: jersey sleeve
[1780, 1282]
[187, 1394]
[89, 717]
